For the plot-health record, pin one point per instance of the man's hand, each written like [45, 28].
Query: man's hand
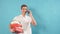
[11, 30]
[30, 14]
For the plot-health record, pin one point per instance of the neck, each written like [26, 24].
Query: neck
[23, 14]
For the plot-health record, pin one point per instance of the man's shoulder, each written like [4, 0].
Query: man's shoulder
[18, 16]
[28, 16]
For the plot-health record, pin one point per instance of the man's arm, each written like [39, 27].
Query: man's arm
[33, 20]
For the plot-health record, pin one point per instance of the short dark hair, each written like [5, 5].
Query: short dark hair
[24, 5]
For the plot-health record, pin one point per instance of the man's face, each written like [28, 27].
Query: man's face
[24, 9]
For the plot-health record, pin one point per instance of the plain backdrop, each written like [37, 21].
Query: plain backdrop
[46, 13]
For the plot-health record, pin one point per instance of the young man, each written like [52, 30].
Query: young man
[25, 20]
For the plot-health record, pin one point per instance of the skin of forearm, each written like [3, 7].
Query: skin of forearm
[33, 20]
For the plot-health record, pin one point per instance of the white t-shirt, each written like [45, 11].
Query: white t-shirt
[25, 21]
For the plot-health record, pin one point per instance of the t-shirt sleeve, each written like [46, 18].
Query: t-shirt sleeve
[29, 19]
[15, 20]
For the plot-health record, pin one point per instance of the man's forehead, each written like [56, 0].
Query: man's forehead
[24, 7]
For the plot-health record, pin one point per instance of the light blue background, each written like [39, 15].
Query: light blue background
[46, 13]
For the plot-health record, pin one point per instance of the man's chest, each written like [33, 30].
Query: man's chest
[25, 19]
